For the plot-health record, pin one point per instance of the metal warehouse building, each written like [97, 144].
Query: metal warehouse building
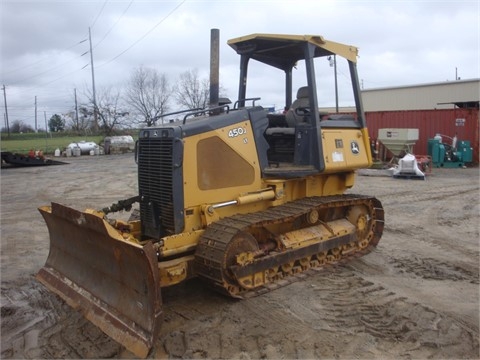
[449, 108]
[443, 95]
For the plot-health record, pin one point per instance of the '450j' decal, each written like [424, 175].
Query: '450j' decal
[237, 132]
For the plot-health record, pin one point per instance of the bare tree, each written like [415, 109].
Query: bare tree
[84, 121]
[148, 93]
[191, 91]
[110, 111]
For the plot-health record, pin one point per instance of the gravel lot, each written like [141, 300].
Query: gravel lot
[415, 296]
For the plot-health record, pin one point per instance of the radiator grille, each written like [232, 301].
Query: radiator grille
[156, 186]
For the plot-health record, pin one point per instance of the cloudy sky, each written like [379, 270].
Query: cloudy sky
[45, 54]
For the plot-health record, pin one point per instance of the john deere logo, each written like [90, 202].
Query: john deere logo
[354, 147]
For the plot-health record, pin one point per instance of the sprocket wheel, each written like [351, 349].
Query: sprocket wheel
[359, 216]
[243, 242]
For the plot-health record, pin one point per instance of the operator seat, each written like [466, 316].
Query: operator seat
[302, 101]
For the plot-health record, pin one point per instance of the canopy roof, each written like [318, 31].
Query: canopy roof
[283, 51]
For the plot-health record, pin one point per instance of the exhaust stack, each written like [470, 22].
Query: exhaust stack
[214, 66]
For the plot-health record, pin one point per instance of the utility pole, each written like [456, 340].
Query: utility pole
[36, 125]
[95, 115]
[333, 62]
[336, 84]
[76, 109]
[46, 132]
[6, 111]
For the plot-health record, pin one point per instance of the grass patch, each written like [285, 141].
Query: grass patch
[47, 144]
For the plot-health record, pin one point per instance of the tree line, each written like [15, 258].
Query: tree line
[147, 96]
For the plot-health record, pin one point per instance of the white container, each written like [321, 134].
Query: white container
[118, 144]
[68, 152]
[84, 146]
[57, 152]
[76, 151]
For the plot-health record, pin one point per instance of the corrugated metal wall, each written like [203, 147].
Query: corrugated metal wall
[430, 122]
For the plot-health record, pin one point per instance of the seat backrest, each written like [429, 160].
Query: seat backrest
[302, 101]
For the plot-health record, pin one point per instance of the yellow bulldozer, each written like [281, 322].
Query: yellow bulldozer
[244, 199]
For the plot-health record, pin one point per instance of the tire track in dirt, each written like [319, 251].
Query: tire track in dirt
[431, 194]
[26, 310]
[434, 269]
[354, 305]
[78, 338]
[40, 325]
[439, 217]
[347, 306]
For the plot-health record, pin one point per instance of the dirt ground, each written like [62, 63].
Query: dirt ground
[415, 296]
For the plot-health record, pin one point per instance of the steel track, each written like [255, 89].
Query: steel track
[210, 256]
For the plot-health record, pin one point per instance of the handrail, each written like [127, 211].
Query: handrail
[174, 113]
[247, 99]
[203, 111]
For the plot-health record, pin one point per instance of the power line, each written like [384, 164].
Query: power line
[51, 69]
[99, 13]
[84, 40]
[144, 35]
[65, 49]
[70, 60]
[41, 60]
[62, 77]
[116, 22]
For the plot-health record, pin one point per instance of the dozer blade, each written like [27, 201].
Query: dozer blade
[115, 283]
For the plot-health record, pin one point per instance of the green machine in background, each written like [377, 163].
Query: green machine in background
[453, 155]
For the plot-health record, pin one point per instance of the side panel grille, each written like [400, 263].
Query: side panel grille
[160, 184]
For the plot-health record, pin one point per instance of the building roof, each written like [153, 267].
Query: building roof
[439, 83]
[440, 95]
